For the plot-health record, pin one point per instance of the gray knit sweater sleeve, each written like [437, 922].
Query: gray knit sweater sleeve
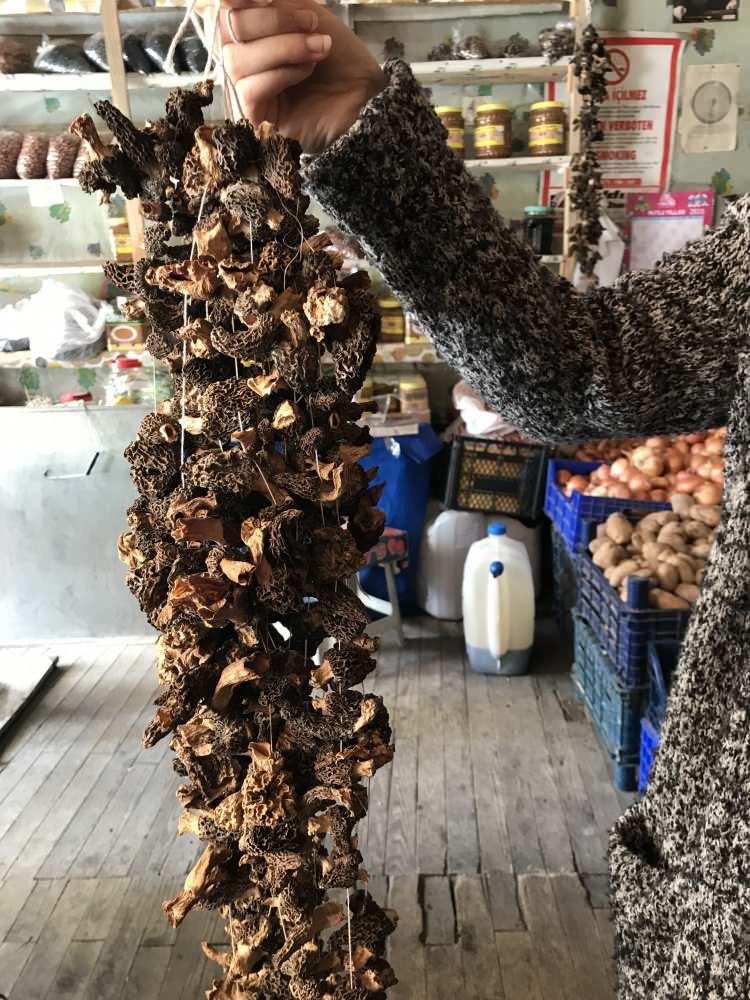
[654, 354]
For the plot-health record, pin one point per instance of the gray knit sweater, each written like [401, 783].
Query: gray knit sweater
[662, 351]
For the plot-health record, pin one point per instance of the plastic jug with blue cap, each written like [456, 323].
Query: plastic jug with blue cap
[498, 604]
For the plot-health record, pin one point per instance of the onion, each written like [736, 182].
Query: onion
[674, 460]
[714, 446]
[642, 495]
[621, 469]
[705, 469]
[659, 482]
[696, 461]
[687, 483]
[717, 476]
[696, 438]
[708, 495]
[659, 496]
[563, 476]
[619, 491]
[657, 443]
[638, 483]
[698, 448]
[599, 491]
[679, 444]
[600, 474]
[649, 462]
[578, 483]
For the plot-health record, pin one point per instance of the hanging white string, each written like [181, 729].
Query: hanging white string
[184, 346]
[169, 66]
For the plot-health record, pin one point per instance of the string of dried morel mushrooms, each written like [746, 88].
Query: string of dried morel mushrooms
[253, 512]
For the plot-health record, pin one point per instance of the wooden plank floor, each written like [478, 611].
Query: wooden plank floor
[488, 834]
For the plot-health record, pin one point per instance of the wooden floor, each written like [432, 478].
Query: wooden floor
[487, 834]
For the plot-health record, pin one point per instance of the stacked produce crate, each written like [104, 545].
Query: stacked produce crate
[637, 532]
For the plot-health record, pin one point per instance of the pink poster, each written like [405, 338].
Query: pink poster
[663, 223]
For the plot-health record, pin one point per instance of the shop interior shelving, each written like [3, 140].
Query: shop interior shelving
[112, 21]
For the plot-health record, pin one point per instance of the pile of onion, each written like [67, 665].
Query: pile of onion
[654, 468]
[606, 450]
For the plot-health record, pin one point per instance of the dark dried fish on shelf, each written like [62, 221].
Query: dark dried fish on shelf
[253, 512]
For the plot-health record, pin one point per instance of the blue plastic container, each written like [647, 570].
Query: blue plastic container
[649, 745]
[569, 514]
[614, 709]
[663, 658]
[624, 629]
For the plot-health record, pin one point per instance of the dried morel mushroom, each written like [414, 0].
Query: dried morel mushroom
[591, 64]
[253, 512]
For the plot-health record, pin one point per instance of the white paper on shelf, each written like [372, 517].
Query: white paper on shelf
[42, 194]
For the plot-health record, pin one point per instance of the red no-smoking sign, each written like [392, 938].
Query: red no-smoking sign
[620, 66]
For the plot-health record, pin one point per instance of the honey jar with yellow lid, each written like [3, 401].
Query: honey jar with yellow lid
[547, 122]
[492, 131]
[453, 120]
[392, 321]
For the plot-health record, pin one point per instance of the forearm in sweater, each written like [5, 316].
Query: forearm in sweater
[655, 353]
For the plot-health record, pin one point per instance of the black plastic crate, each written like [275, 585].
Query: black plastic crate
[496, 477]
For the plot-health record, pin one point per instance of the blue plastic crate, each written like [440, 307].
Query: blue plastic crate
[569, 514]
[615, 709]
[649, 745]
[663, 658]
[624, 629]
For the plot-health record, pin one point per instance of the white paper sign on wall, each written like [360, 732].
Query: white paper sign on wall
[708, 123]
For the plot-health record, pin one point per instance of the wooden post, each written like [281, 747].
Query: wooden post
[577, 12]
[121, 100]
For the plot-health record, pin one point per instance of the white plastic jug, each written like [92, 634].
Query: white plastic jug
[447, 537]
[498, 604]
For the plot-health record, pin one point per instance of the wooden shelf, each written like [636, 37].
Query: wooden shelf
[406, 354]
[446, 10]
[91, 82]
[79, 23]
[464, 72]
[48, 270]
[20, 182]
[458, 72]
[531, 164]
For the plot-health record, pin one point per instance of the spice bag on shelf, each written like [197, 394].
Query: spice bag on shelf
[61, 155]
[253, 512]
[10, 147]
[32, 157]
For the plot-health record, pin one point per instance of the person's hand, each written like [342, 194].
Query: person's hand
[295, 64]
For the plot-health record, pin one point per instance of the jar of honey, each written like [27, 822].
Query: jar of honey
[492, 131]
[547, 129]
[392, 321]
[453, 120]
[414, 334]
[412, 390]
